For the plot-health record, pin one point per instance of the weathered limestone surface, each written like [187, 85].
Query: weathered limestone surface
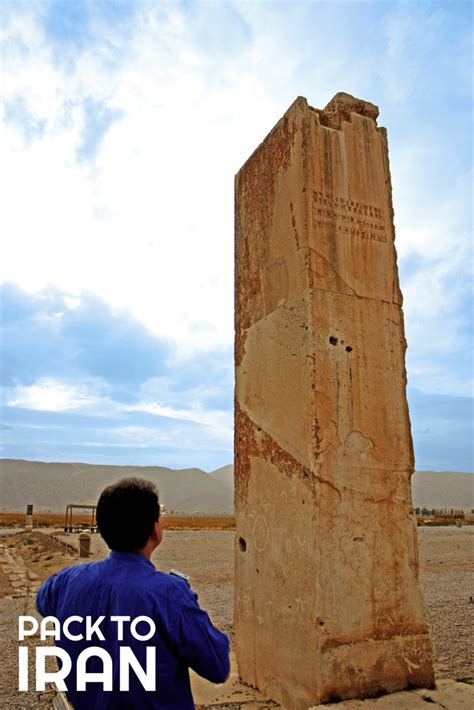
[328, 603]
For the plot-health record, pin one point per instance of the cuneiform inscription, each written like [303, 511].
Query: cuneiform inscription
[349, 217]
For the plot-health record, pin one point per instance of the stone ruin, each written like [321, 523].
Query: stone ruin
[327, 600]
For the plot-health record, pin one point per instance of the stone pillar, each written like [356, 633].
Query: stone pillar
[29, 517]
[327, 600]
[84, 545]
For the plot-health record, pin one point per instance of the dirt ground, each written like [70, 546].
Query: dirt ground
[446, 565]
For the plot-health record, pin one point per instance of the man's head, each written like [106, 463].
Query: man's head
[128, 514]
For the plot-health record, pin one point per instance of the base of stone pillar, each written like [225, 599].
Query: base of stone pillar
[362, 669]
[376, 667]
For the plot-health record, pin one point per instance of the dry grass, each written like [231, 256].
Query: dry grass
[172, 522]
[199, 522]
[56, 520]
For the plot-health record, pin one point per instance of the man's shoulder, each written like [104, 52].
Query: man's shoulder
[147, 580]
[179, 585]
[81, 568]
[74, 572]
[175, 592]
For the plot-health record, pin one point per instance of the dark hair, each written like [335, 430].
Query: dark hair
[127, 512]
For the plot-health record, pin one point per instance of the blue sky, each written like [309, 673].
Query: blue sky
[124, 123]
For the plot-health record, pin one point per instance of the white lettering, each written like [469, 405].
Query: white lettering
[120, 620]
[91, 628]
[102, 673]
[42, 677]
[55, 631]
[146, 620]
[128, 660]
[23, 668]
[66, 625]
[105, 677]
[22, 630]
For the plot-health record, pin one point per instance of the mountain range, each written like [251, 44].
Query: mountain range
[51, 486]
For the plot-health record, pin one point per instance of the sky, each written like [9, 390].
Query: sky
[123, 124]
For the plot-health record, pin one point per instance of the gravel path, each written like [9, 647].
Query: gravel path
[208, 558]
[447, 578]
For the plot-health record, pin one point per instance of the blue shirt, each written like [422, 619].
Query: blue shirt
[127, 584]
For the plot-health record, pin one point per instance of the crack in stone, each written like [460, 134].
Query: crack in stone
[338, 293]
[429, 699]
[277, 453]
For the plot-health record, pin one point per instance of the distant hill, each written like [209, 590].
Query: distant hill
[51, 486]
[443, 489]
[224, 475]
[430, 489]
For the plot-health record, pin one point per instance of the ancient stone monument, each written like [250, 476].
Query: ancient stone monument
[29, 517]
[327, 599]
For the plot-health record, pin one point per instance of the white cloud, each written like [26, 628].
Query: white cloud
[220, 421]
[149, 224]
[159, 397]
[178, 437]
[155, 397]
[52, 396]
[432, 378]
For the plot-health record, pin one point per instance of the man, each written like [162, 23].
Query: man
[126, 584]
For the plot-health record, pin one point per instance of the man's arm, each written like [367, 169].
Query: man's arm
[202, 647]
[46, 596]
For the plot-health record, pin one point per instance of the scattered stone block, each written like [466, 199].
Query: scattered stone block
[18, 583]
[15, 577]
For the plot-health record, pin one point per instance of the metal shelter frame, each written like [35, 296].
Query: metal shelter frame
[69, 526]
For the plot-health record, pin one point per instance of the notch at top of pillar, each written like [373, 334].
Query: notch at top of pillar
[339, 109]
[341, 106]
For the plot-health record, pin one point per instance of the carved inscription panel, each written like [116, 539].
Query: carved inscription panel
[348, 217]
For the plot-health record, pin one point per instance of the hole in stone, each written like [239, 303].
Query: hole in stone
[348, 349]
[257, 570]
[304, 502]
[242, 544]
[333, 340]
[321, 623]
